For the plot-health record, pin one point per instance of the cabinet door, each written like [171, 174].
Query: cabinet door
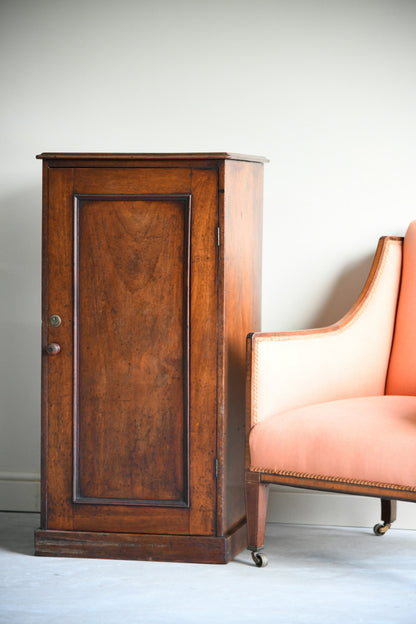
[129, 402]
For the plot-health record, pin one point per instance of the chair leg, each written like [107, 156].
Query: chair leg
[256, 507]
[388, 516]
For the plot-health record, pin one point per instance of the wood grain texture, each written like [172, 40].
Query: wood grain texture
[61, 386]
[142, 414]
[203, 351]
[187, 156]
[133, 302]
[257, 494]
[241, 221]
[131, 181]
[58, 371]
[388, 510]
[141, 547]
[44, 463]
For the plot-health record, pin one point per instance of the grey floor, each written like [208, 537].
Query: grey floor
[315, 575]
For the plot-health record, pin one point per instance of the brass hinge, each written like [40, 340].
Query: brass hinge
[219, 236]
[217, 467]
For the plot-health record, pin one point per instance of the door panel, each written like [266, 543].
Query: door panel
[132, 297]
[129, 403]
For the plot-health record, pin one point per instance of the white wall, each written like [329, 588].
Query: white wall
[324, 88]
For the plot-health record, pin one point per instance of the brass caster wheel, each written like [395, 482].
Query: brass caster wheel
[381, 529]
[260, 559]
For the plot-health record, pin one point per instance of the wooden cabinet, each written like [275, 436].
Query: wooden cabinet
[151, 281]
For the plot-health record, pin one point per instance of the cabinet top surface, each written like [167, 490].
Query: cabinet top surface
[149, 156]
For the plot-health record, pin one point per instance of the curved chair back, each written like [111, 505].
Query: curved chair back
[401, 377]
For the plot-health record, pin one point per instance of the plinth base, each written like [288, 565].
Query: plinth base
[142, 547]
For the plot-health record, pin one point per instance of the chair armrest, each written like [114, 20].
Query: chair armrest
[347, 359]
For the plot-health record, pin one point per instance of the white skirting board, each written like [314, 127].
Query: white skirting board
[298, 506]
[21, 492]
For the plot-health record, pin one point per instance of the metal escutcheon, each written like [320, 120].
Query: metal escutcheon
[55, 320]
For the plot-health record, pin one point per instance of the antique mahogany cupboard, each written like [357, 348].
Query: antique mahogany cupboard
[151, 281]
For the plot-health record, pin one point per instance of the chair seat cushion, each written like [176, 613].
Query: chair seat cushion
[368, 439]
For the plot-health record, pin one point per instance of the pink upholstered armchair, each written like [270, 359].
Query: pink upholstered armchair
[335, 408]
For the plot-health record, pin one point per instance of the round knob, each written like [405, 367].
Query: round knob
[53, 348]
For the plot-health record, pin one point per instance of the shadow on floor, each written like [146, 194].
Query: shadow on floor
[16, 532]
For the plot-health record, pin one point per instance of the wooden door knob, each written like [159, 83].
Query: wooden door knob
[53, 348]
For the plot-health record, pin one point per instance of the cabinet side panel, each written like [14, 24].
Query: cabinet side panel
[241, 300]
